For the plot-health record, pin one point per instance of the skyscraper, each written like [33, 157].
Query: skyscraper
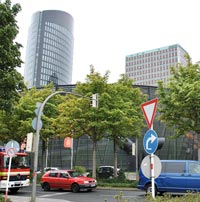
[49, 53]
[149, 67]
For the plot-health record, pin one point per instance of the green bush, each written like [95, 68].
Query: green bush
[117, 182]
[189, 197]
[2, 198]
[80, 169]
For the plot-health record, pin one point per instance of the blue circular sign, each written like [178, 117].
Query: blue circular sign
[150, 141]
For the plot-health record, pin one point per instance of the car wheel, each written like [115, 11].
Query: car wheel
[75, 188]
[148, 189]
[46, 186]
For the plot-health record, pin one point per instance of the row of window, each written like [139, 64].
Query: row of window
[151, 82]
[145, 64]
[142, 76]
[153, 53]
[153, 58]
[149, 70]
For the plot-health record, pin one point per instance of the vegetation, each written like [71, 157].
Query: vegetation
[189, 197]
[2, 199]
[117, 182]
[179, 101]
[11, 81]
[117, 116]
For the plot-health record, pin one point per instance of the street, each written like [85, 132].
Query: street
[98, 195]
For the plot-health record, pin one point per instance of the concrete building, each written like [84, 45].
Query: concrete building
[149, 67]
[49, 53]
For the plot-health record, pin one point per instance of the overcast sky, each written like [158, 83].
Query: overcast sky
[105, 31]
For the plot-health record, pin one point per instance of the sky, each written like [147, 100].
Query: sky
[105, 31]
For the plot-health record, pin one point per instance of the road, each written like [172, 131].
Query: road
[98, 195]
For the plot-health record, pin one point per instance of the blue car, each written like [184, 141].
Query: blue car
[176, 176]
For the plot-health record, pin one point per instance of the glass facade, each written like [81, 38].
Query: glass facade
[49, 55]
[181, 148]
[149, 67]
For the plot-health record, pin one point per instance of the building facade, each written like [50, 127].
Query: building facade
[149, 67]
[49, 53]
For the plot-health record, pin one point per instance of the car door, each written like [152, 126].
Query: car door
[193, 179]
[52, 179]
[63, 179]
[173, 177]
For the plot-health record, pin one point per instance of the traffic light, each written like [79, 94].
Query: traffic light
[94, 100]
[161, 141]
[127, 146]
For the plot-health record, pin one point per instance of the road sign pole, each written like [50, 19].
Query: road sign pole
[152, 175]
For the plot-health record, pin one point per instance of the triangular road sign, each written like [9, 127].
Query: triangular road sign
[149, 109]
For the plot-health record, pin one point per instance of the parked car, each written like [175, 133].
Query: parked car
[67, 179]
[106, 171]
[47, 169]
[176, 176]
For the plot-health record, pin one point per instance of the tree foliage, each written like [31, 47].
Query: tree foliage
[11, 81]
[179, 101]
[117, 116]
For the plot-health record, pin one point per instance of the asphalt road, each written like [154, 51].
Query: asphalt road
[98, 195]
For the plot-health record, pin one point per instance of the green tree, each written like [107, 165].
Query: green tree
[78, 116]
[11, 81]
[116, 115]
[179, 100]
[24, 113]
[121, 105]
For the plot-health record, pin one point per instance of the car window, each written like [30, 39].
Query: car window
[75, 174]
[53, 174]
[173, 167]
[63, 175]
[194, 167]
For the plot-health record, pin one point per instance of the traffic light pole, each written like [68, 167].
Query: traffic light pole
[152, 175]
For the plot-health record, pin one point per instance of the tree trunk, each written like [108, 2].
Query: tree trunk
[43, 155]
[115, 158]
[94, 159]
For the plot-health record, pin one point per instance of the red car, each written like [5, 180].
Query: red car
[67, 179]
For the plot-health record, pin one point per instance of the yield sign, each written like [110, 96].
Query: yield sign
[149, 109]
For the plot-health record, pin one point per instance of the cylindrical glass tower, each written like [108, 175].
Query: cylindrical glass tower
[49, 53]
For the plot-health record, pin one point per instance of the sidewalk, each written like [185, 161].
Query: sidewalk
[28, 199]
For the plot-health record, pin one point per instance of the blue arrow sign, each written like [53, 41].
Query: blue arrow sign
[150, 141]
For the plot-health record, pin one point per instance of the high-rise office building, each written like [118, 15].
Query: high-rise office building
[49, 53]
[149, 67]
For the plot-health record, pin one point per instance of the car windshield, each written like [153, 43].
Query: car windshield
[16, 162]
[75, 173]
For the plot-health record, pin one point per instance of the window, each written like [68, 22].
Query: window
[194, 168]
[173, 167]
[53, 174]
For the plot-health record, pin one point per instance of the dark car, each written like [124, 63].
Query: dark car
[106, 171]
[67, 179]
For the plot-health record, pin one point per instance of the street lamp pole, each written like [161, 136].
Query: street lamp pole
[37, 139]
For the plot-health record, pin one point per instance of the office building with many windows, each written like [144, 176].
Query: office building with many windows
[149, 67]
[49, 53]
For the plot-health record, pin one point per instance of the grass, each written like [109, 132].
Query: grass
[189, 197]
